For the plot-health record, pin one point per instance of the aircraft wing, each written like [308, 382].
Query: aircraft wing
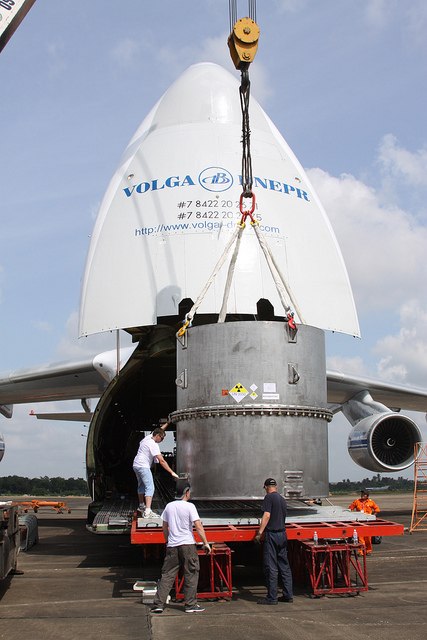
[342, 387]
[89, 378]
[62, 381]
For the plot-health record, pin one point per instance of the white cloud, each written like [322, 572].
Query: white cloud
[216, 50]
[395, 161]
[56, 51]
[37, 448]
[403, 356]
[70, 347]
[393, 372]
[406, 21]
[45, 447]
[384, 247]
[126, 52]
[378, 13]
[354, 365]
[416, 23]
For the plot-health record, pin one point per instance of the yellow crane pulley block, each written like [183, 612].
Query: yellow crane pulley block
[243, 42]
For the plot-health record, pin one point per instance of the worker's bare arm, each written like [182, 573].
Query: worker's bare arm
[201, 531]
[264, 522]
[165, 465]
[165, 528]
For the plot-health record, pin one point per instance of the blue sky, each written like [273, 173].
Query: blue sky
[343, 82]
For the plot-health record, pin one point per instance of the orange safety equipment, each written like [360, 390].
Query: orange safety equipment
[365, 505]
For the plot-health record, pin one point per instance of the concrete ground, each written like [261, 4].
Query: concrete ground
[76, 584]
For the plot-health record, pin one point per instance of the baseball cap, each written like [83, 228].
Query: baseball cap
[270, 482]
[182, 485]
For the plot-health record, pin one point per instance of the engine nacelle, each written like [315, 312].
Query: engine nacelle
[381, 440]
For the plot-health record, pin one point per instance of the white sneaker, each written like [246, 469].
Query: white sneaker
[150, 514]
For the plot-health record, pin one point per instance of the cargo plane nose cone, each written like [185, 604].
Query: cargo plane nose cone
[205, 92]
[173, 205]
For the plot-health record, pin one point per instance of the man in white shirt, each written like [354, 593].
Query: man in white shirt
[178, 520]
[148, 452]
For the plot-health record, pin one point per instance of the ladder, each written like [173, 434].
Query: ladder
[419, 507]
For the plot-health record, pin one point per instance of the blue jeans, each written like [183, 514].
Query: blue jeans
[145, 481]
[275, 562]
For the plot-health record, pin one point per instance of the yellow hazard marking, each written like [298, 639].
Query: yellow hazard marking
[239, 388]
[238, 392]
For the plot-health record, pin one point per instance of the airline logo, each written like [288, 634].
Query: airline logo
[357, 440]
[213, 179]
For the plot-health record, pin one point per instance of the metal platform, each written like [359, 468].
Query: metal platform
[238, 521]
[145, 532]
[115, 516]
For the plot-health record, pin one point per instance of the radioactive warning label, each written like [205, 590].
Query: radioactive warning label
[238, 392]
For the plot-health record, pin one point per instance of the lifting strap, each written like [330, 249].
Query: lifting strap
[248, 31]
[279, 280]
[190, 315]
[282, 288]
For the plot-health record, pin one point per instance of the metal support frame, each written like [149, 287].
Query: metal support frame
[333, 567]
[35, 505]
[336, 567]
[419, 506]
[215, 578]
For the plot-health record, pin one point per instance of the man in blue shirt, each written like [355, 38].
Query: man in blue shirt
[275, 556]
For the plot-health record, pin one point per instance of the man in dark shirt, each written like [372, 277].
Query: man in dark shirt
[275, 545]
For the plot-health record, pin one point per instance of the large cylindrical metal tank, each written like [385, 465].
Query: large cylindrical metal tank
[251, 403]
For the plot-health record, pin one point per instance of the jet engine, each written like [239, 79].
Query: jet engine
[381, 440]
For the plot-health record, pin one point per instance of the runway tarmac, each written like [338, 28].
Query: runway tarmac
[79, 585]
